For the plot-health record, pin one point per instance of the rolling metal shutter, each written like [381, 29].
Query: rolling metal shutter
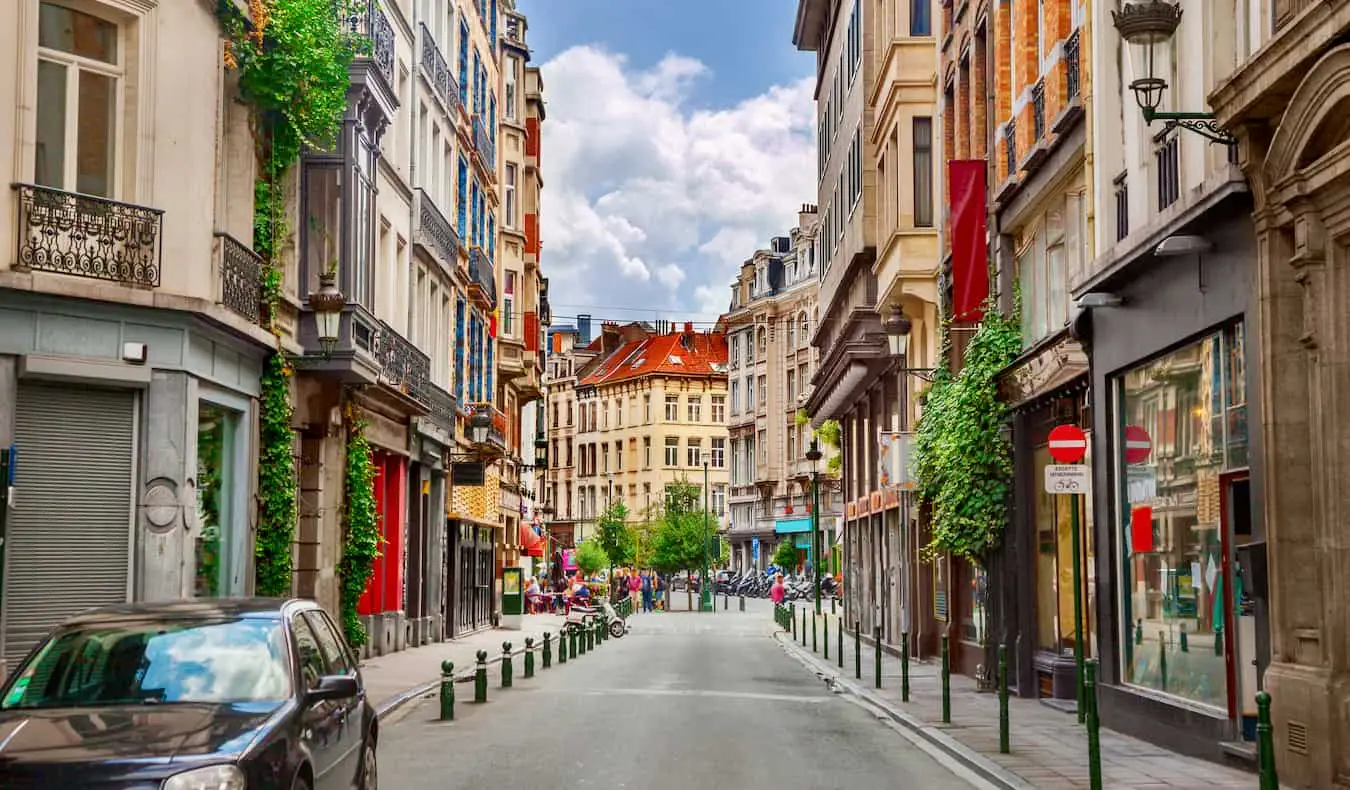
[69, 532]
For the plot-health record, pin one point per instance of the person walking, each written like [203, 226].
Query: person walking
[647, 590]
[778, 592]
[634, 589]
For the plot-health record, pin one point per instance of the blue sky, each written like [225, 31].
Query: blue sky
[680, 137]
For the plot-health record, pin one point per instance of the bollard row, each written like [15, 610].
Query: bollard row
[567, 643]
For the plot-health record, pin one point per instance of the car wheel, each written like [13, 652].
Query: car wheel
[369, 772]
[299, 784]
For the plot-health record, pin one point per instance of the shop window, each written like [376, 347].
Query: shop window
[1181, 426]
[1055, 626]
[218, 560]
[974, 617]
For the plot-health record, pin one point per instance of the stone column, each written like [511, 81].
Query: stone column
[166, 516]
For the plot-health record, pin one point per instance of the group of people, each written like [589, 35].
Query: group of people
[543, 596]
[646, 589]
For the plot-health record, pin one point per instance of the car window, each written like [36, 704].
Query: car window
[334, 649]
[141, 662]
[312, 666]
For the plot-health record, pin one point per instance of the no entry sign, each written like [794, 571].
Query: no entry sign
[1068, 444]
[1138, 445]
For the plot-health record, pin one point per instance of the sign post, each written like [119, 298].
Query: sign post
[1068, 445]
[754, 551]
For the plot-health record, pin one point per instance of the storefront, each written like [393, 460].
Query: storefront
[382, 604]
[472, 574]
[1184, 640]
[425, 546]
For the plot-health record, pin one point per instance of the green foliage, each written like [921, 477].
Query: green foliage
[590, 557]
[682, 530]
[723, 558]
[785, 556]
[277, 510]
[962, 456]
[360, 529]
[829, 433]
[615, 537]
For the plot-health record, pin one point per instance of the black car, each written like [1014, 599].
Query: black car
[197, 695]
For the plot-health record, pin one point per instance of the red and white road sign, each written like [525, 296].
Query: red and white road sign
[1068, 444]
[1138, 445]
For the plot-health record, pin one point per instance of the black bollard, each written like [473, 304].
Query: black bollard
[946, 682]
[1004, 747]
[825, 642]
[480, 678]
[1093, 724]
[506, 665]
[447, 691]
[1265, 743]
[742, 602]
[548, 650]
[876, 636]
[803, 631]
[529, 656]
[572, 643]
[815, 647]
[904, 666]
[840, 636]
[857, 649]
[792, 620]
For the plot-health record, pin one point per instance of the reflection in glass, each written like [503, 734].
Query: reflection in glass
[50, 164]
[323, 224]
[215, 430]
[95, 133]
[68, 30]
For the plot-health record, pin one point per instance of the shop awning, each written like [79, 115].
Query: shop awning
[530, 543]
[791, 525]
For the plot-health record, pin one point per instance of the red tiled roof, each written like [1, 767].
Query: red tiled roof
[665, 355]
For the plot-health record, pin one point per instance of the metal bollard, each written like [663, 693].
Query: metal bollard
[857, 649]
[726, 600]
[840, 645]
[876, 636]
[1004, 747]
[1162, 657]
[562, 646]
[1265, 743]
[825, 642]
[447, 691]
[1094, 737]
[832, 602]
[529, 656]
[572, 643]
[792, 620]
[904, 666]
[506, 665]
[480, 678]
[815, 647]
[548, 650]
[742, 602]
[803, 631]
[581, 640]
[946, 681]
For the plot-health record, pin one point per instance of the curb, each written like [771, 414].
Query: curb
[977, 763]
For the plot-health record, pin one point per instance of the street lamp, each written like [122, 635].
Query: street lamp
[813, 455]
[1148, 26]
[704, 589]
[327, 304]
[896, 325]
[480, 426]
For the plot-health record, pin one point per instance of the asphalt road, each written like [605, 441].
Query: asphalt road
[685, 701]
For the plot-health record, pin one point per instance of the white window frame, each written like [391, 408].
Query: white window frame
[509, 303]
[693, 452]
[719, 452]
[672, 454]
[509, 195]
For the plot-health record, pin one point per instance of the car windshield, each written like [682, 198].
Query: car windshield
[141, 662]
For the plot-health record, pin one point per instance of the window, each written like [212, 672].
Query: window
[749, 393]
[569, 414]
[1167, 162]
[512, 80]
[923, 172]
[791, 388]
[719, 408]
[761, 440]
[509, 305]
[792, 442]
[672, 408]
[79, 87]
[646, 408]
[693, 452]
[672, 451]
[735, 356]
[791, 336]
[618, 413]
[604, 457]
[920, 18]
[719, 453]
[762, 342]
[333, 647]
[719, 500]
[763, 390]
[510, 200]
[695, 409]
[735, 397]
[618, 456]
[646, 452]
[604, 415]
[805, 329]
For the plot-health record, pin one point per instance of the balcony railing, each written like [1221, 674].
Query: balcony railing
[402, 365]
[442, 407]
[1010, 147]
[438, 72]
[435, 232]
[482, 144]
[1038, 111]
[241, 278]
[379, 34]
[87, 236]
[480, 276]
[1071, 61]
[496, 436]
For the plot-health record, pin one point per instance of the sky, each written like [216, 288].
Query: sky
[679, 137]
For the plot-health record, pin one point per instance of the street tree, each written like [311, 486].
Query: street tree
[681, 533]
[785, 556]
[590, 558]
[616, 537]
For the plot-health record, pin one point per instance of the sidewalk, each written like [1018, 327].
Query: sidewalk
[399, 678]
[1049, 747]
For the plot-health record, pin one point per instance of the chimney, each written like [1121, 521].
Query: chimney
[584, 329]
[610, 337]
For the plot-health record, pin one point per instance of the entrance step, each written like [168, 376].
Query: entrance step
[1244, 751]
[1069, 706]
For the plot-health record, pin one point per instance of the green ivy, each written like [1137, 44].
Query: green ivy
[962, 455]
[291, 57]
[830, 432]
[360, 529]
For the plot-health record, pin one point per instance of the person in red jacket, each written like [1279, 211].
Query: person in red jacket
[778, 591]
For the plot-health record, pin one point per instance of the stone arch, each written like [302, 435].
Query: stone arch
[1318, 110]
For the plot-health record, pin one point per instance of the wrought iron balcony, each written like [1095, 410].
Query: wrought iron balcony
[482, 145]
[438, 72]
[374, 26]
[402, 365]
[87, 236]
[443, 407]
[1010, 147]
[482, 283]
[435, 233]
[240, 274]
[497, 435]
[1038, 111]
[1071, 65]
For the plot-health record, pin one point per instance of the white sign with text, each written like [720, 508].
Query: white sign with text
[1067, 478]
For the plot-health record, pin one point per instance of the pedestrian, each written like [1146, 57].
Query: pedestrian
[647, 591]
[778, 592]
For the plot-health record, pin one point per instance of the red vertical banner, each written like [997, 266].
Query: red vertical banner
[1141, 529]
[391, 527]
[970, 256]
[371, 602]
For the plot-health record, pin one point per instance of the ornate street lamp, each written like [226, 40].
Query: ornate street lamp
[480, 426]
[897, 326]
[540, 454]
[814, 455]
[327, 304]
[1148, 27]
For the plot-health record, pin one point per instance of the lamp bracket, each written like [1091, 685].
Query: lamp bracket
[1202, 123]
[927, 374]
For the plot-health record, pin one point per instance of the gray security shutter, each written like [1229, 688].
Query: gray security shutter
[69, 532]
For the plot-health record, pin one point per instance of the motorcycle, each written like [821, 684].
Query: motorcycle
[582, 617]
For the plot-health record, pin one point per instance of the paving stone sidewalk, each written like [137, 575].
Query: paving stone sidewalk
[398, 678]
[1049, 747]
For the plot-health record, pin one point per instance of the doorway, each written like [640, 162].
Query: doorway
[1246, 612]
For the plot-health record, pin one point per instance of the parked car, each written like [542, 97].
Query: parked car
[194, 695]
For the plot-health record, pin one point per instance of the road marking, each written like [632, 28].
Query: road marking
[814, 699]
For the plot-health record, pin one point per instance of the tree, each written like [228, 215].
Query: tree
[615, 536]
[590, 557]
[681, 532]
[785, 556]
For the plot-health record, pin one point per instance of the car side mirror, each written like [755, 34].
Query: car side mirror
[333, 687]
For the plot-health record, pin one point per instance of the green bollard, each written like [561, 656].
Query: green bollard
[1094, 737]
[1162, 658]
[1139, 632]
[1004, 747]
[529, 656]
[946, 682]
[876, 636]
[1265, 743]
[447, 691]
[815, 646]
[581, 639]
[904, 666]
[548, 650]
[832, 602]
[726, 601]
[480, 678]
[792, 609]
[562, 646]
[506, 665]
[825, 642]
[1185, 643]
[572, 643]
[742, 603]
[803, 630]
[840, 636]
[1218, 641]
[857, 649]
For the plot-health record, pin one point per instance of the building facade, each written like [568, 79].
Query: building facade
[568, 352]
[130, 350]
[650, 405]
[770, 364]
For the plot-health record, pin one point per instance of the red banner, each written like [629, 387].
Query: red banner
[1141, 529]
[970, 257]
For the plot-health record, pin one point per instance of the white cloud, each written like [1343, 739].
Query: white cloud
[649, 204]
